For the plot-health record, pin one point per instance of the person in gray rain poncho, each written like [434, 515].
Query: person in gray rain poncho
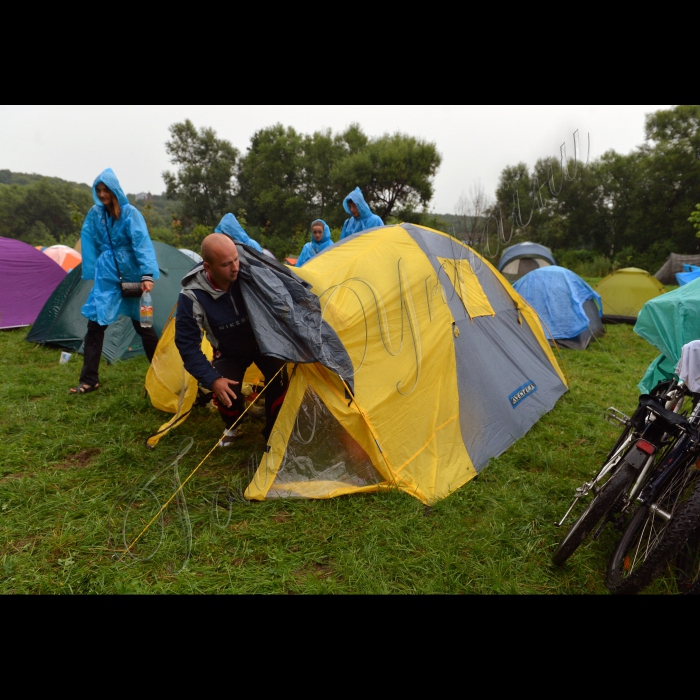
[230, 226]
[361, 217]
[115, 243]
[320, 240]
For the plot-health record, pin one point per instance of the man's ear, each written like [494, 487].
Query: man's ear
[205, 265]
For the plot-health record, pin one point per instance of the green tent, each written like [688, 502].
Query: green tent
[668, 323]
[624, 293]
[60, 322]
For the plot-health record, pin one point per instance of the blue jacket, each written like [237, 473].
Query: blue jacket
[366, 219]
[313, 248]
[131, 246]
[230, 226]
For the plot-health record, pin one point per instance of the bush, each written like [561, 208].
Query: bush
[585, 263]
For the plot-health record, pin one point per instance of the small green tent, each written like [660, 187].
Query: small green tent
[625, 291]
[60, 322]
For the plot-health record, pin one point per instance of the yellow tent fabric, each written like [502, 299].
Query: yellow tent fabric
[171, 388]
[451, 366]
[625, 291]
[401, 429]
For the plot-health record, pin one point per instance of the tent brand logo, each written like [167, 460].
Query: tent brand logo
[521, 393]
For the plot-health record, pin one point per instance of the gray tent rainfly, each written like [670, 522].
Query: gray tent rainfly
[522, 258]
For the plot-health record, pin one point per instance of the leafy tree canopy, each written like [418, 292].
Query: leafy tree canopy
[204, 181]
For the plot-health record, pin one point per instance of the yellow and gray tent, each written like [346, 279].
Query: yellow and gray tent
[451, 367]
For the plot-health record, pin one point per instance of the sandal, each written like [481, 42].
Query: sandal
[83, 388]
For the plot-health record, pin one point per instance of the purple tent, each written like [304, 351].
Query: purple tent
[27, 278]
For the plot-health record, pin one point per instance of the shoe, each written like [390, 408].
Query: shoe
[229, 437]
[83, 389]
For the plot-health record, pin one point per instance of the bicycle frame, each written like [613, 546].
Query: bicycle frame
[674, 400]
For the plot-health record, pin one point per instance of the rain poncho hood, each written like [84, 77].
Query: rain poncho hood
[366, 219]
[112, 247]
[284, 313]
[313, 248]
[558, 295]
[230, 226]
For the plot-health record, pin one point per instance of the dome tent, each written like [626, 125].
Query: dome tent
[450, 368]
[570, 310]
[27, 279]
[520, 259]
[624, 293]
[61, 323]
[64, 255]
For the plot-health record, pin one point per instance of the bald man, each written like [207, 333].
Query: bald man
[211, 301]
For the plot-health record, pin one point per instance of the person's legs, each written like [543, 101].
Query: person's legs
[92, 352]
[149, 338]
[275, 389]
[231, 368]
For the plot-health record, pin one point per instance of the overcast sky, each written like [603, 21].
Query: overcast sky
[76, 142]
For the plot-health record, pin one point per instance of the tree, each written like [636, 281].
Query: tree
[394, 172]
[271, 182]
[473, 211]
[204, 182]
[44, 212]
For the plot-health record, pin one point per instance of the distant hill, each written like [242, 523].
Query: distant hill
[44, 210]
[7, 177]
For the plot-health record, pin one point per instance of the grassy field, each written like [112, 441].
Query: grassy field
[72, 468]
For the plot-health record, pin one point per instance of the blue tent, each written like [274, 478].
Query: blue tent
[522, 258]
[570, 310]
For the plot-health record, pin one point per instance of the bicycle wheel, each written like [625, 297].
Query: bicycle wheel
[597, 509]
[650, 540]
[687, 565]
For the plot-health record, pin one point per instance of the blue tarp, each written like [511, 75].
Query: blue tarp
[558, 295]
[690, 273]
[525, 250]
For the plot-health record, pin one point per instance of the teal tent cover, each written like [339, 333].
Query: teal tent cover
[668, 322]
[60, 322]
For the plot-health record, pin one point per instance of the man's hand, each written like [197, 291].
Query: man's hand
[222, 388]
[146, 286]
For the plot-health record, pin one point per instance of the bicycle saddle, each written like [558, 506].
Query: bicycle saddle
[671, 421]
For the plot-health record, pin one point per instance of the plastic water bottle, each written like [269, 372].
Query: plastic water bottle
[146, 310]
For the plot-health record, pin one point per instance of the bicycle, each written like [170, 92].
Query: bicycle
[624, 471]
[665, 514]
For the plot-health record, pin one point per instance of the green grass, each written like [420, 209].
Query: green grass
[70, 465]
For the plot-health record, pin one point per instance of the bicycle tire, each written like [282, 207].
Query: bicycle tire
[687, 564]
[650, 542]
[596, 510]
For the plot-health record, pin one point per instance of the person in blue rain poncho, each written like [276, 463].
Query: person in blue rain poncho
[115, 242]
[320, 240]
[230, 226]
[361, 217]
